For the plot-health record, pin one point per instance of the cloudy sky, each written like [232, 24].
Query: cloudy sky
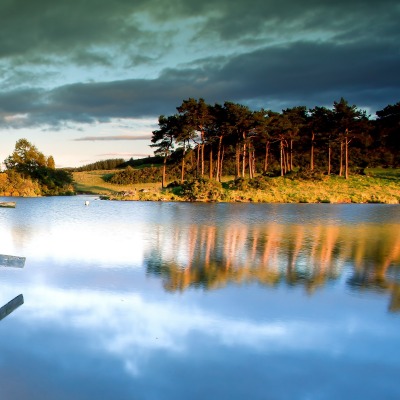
[87, 80]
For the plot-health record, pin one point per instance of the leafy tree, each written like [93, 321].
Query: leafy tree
[388, 126]
[297, 117]
[240, 124]
[320, 127]
[26, 158]
[27, 161]
[349, 123]
[197, 117]
[163, 140]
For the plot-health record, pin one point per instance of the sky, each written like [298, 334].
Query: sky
[86, 80]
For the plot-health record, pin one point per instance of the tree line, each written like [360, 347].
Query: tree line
[230, 138]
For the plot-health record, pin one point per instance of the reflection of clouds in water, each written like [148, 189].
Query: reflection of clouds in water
[105, 243]
[130, 328]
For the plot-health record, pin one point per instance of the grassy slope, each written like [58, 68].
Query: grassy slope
[378, 185]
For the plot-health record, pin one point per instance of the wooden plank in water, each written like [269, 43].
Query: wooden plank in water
[8, 204]
[12, 261]
[13, 304]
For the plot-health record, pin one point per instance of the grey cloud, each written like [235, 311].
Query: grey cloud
[302, 73]
[75, 27]
[291, 53]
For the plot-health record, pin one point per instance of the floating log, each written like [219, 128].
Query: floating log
[12, 261]
[8, 204]
[8, 308]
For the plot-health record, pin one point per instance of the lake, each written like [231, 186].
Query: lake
[152, 300]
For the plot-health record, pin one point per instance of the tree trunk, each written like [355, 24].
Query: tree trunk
[237, 161]
[250, 163]
[198, 161]
[211, 163]
[329, 157]
[202, 159]
[218, 172]
[281, 157]
[222, 161]
[266, 156]
[312, 152]
[291, 154]
[183, 162]
[341, 159]
[164, 172]
[346, 170]
[244, 160]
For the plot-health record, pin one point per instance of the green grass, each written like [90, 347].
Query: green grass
[377, 186]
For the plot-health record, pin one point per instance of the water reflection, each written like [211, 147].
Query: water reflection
[310, 256]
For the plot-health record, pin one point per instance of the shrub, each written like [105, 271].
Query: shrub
[202, 190]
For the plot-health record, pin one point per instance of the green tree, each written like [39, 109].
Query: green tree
[320, 129]
[27, 161]
[388, 126]
[163, 140]
[26, 158]
[350, 123]
[197, 117]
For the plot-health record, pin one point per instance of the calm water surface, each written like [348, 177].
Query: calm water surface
[132, 300]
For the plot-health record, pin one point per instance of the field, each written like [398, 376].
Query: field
[376, 186]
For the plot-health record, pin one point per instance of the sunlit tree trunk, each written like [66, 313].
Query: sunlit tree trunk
[291, 155]
[312, 151]
[183, 162]
[218, 172]
[329, 157]
[244, 160]
[202, 159]
[164, 172]
[347, 141]
[211, 162]
[266, 156]
[198, 161]
[237, 160]
[222, 163]
[341, 159]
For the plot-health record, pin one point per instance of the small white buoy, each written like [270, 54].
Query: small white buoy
[86, 202]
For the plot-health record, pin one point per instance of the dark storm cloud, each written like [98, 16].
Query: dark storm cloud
[300, 73]
[279, 54]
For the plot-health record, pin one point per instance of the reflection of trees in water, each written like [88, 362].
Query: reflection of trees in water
[213, 256]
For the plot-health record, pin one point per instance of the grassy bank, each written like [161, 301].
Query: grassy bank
[377, 186]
